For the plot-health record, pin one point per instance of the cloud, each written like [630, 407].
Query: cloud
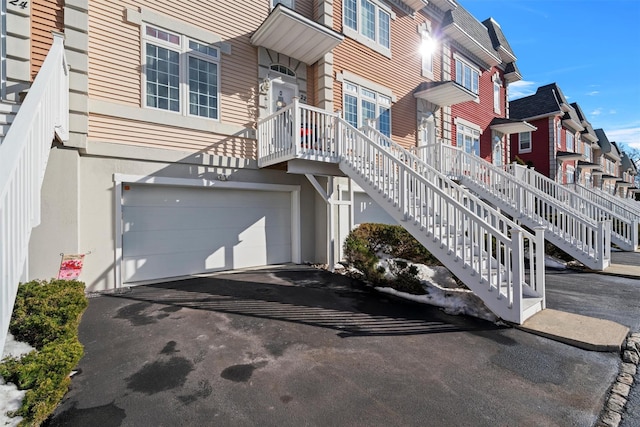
[596, 112]
[593, 93]
[627, 136]
[521, 88]
[613, 112]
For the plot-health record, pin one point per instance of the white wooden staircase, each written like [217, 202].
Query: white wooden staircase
[624, 222]
[24, 151]
[7, 114]
[484, 249]
[584, 238]
[620, 206]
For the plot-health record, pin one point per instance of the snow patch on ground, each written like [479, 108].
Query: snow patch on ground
[10, 397]
[441, 291]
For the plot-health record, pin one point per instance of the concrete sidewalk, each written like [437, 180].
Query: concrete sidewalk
[585, 331]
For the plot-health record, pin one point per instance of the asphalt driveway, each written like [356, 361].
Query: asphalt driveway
[297, 346]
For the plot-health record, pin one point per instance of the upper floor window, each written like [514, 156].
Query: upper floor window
[369, 19]
[180, 74]
[426, 50]
[467, 76]
[362, 105]
[570, 141]
[524, 142]
[496, 93]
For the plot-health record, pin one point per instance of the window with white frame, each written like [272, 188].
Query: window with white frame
[467, 75]
[524, 142]
[496, 94]
[570, 141]
[468, 139]
[427, 48]
[362, 105]
[571, 173]
[587, 152]
[180, 74]
[369, 19]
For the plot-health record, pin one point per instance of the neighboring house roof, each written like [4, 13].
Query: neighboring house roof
[512, 73]
[605, 145]
[499, 41]
[615, 151]
[464, 28]
[588, 132]
[627, 164]
[547, 100]
[571, 120]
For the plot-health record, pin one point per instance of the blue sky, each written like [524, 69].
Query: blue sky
[590, 48]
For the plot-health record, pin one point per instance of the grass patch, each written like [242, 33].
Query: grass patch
[46, 315]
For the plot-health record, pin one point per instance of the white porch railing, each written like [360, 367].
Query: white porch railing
[581, 237]
[624, 228]
[481, 247]
[624, 207]
[23, 159]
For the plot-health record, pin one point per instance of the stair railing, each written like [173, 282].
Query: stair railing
[24, 153]
[590, 241]
[624, 227]
[413, 185]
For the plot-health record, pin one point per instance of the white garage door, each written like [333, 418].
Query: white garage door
[177, 231]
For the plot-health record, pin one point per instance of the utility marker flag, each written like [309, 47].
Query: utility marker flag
[71, 266]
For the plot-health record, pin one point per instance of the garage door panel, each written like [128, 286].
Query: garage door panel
[138, 218]
[201, 197]
[202, 240]
[173, 231]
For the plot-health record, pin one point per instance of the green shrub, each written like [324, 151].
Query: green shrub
[46, 315]
[363, 245]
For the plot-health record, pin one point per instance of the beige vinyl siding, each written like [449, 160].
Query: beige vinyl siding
[46, 16]
[115, 75]
[143, 134]
[402, 73]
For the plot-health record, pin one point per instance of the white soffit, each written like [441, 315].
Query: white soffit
[292, 34]
[514, 127]
[446, 93]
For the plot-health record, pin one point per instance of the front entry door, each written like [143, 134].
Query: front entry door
[282, 94]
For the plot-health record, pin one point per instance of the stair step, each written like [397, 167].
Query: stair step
[9, 108]
[6, 119]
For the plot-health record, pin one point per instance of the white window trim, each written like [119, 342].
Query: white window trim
[426, 71]
[520, 149]
[470, 64]
[497, 85]
[570, 171]
[147, 16]
[458, 121]
[184, 53]
[361, 81]
[377, 103]
[469, 125]
[361, 38]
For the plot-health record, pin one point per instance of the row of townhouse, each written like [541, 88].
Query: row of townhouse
[159, 178]
[566, 148]
[208, 136]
